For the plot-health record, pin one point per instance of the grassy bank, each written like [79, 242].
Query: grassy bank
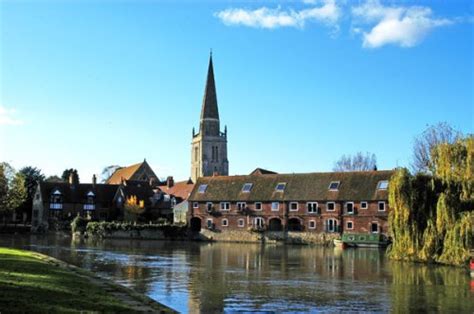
[32, 282]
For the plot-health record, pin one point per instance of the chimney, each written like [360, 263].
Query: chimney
[71, 178]
[215, 174]
[169, 181]
[94, 179]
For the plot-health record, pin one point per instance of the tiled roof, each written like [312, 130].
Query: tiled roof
[123, 173]
[180, 190]
[354, 186]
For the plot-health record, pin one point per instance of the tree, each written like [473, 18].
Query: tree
[432, 217]
[66, 174]
[107, 172]
[423, 145]
[358, 162]
[12, 189]
[53, 178]
[3, 189]
[32, 176]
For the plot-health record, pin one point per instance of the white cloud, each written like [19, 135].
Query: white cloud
[7, 117]
[403, 26]
[328, 13]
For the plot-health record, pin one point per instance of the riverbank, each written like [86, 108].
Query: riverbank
[33, 282]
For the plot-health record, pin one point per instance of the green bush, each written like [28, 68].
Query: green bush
[103, 228]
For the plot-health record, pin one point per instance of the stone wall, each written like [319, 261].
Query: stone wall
[267, 237]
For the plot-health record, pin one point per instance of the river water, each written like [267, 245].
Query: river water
[226, 277]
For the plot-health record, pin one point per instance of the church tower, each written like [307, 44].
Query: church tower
[209, 145]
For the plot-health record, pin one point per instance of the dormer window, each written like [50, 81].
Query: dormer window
[202, 188]
[247, 187]
[90, 204]
[382, 185]
[280, 187]
[56, 200]
[334, 185]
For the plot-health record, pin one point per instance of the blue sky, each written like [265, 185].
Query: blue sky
[87, 84]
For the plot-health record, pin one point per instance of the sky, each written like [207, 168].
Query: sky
[88, 84]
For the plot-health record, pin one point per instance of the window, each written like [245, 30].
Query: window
[195, 204]
[381, 206]
[56, 197]
[330, 206]
[225, 222]
[293, 206]
[202, 188]
[241, 206]
[210, 224]
[349, 225]
[225, 206]
[334, 185]
[374, 227]
[280, 187]
[312, 224]
[364, 205]
[312, 207]
[331, 225]
[258, 206]
[350, 207]
[247, 187]
[382, 185]
[259, 222]
[241, 223]
[209, 206]
[275, 206]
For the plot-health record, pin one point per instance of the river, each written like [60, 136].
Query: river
[196, 277]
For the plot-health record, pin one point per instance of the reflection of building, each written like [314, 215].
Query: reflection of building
[313, 202]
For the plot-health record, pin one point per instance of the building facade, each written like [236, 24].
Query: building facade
[335, 202]
[209, 145]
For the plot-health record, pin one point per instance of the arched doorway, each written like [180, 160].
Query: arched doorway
[294, 224]
[274, 224]
[195, 224]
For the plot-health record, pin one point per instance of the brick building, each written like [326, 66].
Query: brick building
[334, 202]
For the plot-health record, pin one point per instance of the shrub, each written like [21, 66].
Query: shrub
[78, 224]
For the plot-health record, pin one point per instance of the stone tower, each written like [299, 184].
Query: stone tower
[209, 145]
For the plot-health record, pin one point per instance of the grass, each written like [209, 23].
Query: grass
[30, 282]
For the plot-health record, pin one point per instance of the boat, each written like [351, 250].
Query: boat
[363, 240]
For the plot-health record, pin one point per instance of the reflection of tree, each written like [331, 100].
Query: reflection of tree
[428, 289]
[136, 275]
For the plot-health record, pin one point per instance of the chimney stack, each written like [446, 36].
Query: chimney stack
[71, 178]
[94, 179]
[169, 181]
[215, 174]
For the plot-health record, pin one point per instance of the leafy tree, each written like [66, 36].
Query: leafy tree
[358, 162]
[3, 189]
[66, 174]
[432, 216]
[32, 176]
[53, 178]
[12, 189]
[107, 172]
[133, 208]
[434, 135]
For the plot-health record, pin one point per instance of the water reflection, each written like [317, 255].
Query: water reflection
[195, 277]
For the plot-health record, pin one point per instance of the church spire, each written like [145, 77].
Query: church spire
[209, 103]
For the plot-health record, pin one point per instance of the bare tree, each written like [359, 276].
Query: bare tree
[358, 162]
[435, 134]
[107, 172]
